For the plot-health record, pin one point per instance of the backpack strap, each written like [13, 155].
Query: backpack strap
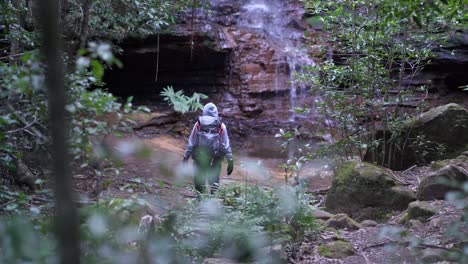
[197, 127]
[220, 131]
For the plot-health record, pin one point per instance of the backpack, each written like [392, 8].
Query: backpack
[209, 130]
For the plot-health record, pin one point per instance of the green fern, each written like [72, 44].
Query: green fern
[180, 102]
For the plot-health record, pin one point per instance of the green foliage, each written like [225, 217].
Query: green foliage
[456, 230]
[93, 113]
[22, 242]
[110, 19]
[380, 44]
[244, 219]
[297, 155]
[12, 30]
[182, 103]
[237, 223]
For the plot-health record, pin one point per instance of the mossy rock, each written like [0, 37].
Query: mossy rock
[435, 186]
[342, 221]
[419, 210]
[360, 185]
[461, 160]
[336, 249]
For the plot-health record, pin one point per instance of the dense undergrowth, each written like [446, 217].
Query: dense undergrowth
[239, 222]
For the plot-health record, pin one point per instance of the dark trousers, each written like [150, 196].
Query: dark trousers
[207, 173]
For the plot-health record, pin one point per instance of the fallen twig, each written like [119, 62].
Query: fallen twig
[399, 215]
[364, 256]
[20, 118]
[398, 178]
[40, 199]
[405, 244]
[23, 128]
[7, 203]
[409, 169]
[12, 56]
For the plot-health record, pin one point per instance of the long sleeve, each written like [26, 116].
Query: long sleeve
[226, 146]
[191, 142]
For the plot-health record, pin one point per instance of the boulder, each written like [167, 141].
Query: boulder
[365, 191]
[436, 185]
[420, 210]
[439, 133]
[342, 221]
[369, 223]
[322, 215]
[336, 249]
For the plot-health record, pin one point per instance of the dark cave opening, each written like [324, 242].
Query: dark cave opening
[200, 68]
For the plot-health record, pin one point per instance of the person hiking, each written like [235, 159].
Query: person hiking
[208, 144]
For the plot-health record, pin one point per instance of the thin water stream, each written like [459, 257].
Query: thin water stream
[267, 18]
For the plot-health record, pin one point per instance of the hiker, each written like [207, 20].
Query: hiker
[208, 144]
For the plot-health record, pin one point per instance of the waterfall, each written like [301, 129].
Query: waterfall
[267, 17]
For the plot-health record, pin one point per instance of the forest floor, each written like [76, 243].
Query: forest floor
[148, 158]
[150, 167]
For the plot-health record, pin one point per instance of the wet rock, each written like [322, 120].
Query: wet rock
[342, 221]
[365, 191]
[435, 186]
[369, 223]
[337, 249]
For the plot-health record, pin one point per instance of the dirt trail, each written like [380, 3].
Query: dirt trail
[151, 168]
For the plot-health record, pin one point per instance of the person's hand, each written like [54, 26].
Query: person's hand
[230, 166]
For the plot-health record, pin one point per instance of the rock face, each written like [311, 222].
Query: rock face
[446, 70]
[439, 133]
[436, 185]
[242, 54]
[365, 191]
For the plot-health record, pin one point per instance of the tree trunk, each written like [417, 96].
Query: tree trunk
[84, 23]
[66, 219]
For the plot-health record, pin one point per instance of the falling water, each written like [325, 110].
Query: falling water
[267, 18]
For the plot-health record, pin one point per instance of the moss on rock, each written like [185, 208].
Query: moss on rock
[337, 249]
[342, 221]
[360, 185]
[419, 210]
